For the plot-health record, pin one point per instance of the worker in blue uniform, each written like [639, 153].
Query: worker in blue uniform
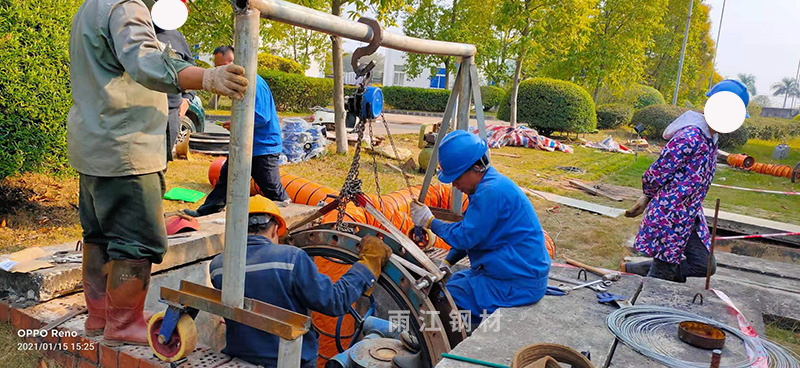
[287, 277]
[500, 232]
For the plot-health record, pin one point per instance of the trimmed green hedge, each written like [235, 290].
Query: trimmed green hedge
[610, 116]
[656, 118]
[734, 139]
[34, 85]
[491, 96]
[272, 62]
[420, 99]
[296, 92]
[641, 96]
[772, 128]
[550, 105]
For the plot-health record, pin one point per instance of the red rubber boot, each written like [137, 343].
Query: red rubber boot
[95, 274]
[126, 290]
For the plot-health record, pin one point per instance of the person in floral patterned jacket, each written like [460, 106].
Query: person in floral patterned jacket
[674, 230]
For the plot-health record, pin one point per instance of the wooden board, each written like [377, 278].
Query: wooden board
[594, 191]
[576, 203]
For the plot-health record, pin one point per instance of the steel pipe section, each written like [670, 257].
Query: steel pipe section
[300, 16]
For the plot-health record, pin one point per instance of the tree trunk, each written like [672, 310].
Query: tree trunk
[338, 86]
[515, 92]
[446, 73]
[784, 100]
[596, 92]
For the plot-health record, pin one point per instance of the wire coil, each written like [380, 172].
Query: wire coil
[639, 326]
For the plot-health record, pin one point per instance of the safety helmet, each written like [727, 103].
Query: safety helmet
[263, 206]
[732, 85]
[458, 151]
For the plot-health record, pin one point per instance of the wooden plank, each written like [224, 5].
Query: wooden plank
[395, 168]
[576, 320]
[512, 155]
[577, 203]
[594, 191]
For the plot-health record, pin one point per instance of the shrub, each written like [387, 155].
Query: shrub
[641, 96]
[611, 116]
[34, 85]
[550, 105]
[296, 92]
[754, 109]
[734, 139]
[655, 118]
[491, 96]
[411, 98]
[272, 62]
[202, 64]
[796, 118]
[772, 128]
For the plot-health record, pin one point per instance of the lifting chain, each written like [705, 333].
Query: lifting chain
[352, 184]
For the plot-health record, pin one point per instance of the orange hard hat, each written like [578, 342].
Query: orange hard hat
[262, 205]
[179, 224]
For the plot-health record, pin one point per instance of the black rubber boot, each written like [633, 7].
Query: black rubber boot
[637, 268]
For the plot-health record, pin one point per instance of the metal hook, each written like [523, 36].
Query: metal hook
[377, 38]
[582, 271]
[695, 298]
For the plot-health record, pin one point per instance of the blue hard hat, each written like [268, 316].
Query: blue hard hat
[732, 85]
[458, 151]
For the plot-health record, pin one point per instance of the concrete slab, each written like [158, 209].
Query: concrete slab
[577, 203]
[758, 265]
[576, 320]
[753, 301]
[63, 279]
[752, 225]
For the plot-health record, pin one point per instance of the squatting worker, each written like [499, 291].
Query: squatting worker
[674, 230]
[116, 141]
[500, 232]
[267, 147]
[287, 277]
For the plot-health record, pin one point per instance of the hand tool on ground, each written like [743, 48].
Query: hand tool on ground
[605, 284]
[556, 291]
[67, 257]
[76, 311]
[607, 275]
[597, 288]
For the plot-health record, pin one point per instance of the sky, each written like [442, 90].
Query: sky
[758, 37]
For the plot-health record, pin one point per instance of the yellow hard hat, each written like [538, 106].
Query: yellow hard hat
[260, 204]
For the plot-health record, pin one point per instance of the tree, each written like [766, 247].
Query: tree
[614, 56]
[786, 87]
[662, 62]
[210, 24]
[299, 44]
[541, 30]
[455, 21]
[762, 100]
[749, 80]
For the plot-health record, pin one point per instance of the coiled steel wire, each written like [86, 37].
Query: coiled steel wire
[641, 328]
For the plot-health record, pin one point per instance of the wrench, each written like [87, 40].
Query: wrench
[593, 286]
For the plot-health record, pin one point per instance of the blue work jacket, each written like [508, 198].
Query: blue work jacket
[267, 128]
[500, 233]
[286, 276]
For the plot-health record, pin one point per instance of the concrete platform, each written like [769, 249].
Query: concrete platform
[62, 279]
[576, 320]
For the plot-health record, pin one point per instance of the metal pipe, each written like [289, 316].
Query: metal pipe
[240, 157]
[713, 243]
[303, 17]
[719, 31]
[683, 53]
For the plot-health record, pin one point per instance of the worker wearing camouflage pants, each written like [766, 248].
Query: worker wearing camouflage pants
[116, 138]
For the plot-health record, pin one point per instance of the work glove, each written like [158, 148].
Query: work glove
[639, 207]
[374, 254]
[227, 80]
[420, 214]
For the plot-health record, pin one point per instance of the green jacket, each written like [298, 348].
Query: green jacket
[120, 75]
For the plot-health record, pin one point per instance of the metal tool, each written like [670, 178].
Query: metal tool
[600, 284]
[607, 275]
[597, 288]
[76, 311]
[67, 257]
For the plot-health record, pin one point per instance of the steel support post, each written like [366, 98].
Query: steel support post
[462, 122]
[240, 155]
[290, 352]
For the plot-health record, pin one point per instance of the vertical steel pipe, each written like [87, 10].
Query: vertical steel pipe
[240, 156]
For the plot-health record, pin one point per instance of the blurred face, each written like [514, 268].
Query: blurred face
[468, 181]
[223, 58]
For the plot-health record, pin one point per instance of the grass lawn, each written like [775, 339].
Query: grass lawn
[41, 210]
